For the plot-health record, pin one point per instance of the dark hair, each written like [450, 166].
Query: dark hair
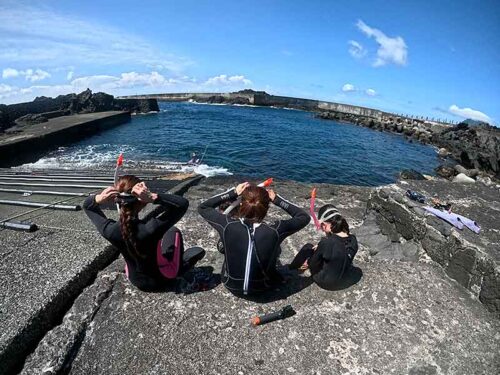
[128, 212]
[254, 203]
[338, 222]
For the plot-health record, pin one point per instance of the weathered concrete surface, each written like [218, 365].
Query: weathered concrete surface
[42, 272]
[404, 317]
[34, 140]
[471, 259]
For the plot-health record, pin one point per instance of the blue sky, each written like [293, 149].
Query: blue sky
[430, 58]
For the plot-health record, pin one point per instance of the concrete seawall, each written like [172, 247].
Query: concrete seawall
[33, 141]
[264, 99]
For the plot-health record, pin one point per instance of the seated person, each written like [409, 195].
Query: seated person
[331, 259]
[140, 240]
[251, 247]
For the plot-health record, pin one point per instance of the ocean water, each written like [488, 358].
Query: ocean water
[251, 141]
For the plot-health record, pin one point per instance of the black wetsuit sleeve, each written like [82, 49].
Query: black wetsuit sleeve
[299, 220]
[208, 211]
[106, 227]
[174, 207]
[317, 260]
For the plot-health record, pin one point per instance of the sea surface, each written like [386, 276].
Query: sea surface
[250, 141]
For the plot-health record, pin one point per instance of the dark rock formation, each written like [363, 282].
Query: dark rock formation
[85, 102]
[475, 147]
[471, 259]
[445, 171]
[137, 105]
[5, 121]
[31, 119]
[411, 174]
[220, 99]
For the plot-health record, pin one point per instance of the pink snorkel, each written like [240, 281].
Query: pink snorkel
[311, 209]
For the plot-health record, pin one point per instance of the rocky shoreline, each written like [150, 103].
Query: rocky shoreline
[475, 147]
[428, 301]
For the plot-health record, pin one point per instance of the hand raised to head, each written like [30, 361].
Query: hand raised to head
[106, 195]
[141, 191]
[272, 195]
[241, 187]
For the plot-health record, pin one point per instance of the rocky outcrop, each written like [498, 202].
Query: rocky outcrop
[219, 99]
[469, 258]
[5, 121]
[84, 102]
[405, 307]
[475, 148]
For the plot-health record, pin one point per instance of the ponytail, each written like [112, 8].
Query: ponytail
[128, 212]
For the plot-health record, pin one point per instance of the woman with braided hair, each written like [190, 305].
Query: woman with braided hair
[331, 259]
[143, 241]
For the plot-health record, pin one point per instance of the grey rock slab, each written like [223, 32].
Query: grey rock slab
[400, 318]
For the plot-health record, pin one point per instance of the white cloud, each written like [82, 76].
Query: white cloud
[52, 39]
[390, 50]
[224, 80]
[370, 92]
[348, 87]
[29, 74]
[9, 73]
[125, 84]
[469, 113]
[5, 89]
[37, 75]
[356, 50]
[70, 75]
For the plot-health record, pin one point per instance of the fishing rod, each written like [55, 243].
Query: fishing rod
[203, 155]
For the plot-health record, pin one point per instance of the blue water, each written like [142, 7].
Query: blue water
[253, 141]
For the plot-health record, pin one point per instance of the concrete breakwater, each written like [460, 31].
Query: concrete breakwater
[422, 302]
[35, 140]
[261, 98]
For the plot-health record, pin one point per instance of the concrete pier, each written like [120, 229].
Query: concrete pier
[41, 273]
[32, 141]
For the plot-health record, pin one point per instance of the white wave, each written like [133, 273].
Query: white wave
[90, 157]
[144, 113]
[206, 170]
[226, 104]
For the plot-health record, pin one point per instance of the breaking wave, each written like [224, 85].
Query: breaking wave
[103, 157]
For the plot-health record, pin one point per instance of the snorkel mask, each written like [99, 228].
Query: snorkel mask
[126, 199]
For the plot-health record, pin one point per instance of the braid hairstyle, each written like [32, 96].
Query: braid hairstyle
[128, 212]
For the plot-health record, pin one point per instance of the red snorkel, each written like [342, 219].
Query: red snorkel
[311, 209]
[266, 183]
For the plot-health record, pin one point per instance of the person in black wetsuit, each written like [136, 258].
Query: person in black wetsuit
[251, 247]
[331, 259]
[137, 239]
